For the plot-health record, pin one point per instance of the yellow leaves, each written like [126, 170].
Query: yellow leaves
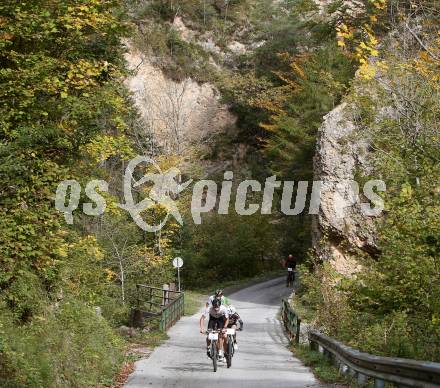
[62, 251]
[169, 161]
[361, 40]
[110, 275]
[83, 74]
[424, 56]
[87, 247]
[112, 205]
[382, 65]
[103, 147]
[269, 127]
[286, 78]
[297, 69]
[427, 64]
[372, 40]
[406, 191]
[343, 31]
[273, 106]
[367, 71]
[367, 48]
[81, 16]
[379, 4]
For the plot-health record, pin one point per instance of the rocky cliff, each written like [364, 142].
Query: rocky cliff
[178, 114]
[341, 228]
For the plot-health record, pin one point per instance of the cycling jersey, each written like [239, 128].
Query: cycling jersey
[212, 313]
[217, 319]
[234, 319]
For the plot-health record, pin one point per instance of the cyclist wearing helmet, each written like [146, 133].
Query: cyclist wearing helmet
[234, 319]
[218, 295]
[218, 320]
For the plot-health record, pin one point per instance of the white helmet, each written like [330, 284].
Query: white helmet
[231, 310]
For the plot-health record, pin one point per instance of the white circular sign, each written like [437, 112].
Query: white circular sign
[178, 262]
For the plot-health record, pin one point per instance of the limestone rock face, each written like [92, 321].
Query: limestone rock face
[341, 226]
[177, 114]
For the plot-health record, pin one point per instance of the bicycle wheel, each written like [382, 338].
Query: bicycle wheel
[230, 351]
[214, 354]
[290, 279]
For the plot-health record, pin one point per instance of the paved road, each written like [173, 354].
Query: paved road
[262, 360]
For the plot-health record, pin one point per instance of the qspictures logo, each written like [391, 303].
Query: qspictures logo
[165, 186]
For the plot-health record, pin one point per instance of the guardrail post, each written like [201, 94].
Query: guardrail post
[351, 372]
[343, 369]
[361, 379]
[298, 330]
[378, 383]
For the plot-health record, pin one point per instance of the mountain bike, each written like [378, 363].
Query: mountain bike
[229, 346]
[213, 337]
[290, 277]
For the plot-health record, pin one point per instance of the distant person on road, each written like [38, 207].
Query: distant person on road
[234, 320]
[290, 264]
[218, 320]
[218, 295]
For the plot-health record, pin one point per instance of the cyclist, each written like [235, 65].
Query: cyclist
[234, 318]
[218, 320]
[218, 295]
[291, 266]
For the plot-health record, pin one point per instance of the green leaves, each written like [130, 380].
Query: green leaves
[60, 61]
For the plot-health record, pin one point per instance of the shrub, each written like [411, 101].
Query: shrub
[68, 346]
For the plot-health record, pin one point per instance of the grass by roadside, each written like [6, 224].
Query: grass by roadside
[194, 301]
[139, 344]
[321, 366]
[306, 313]
[325, 371]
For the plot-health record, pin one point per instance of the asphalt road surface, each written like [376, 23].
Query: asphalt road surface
[263, 359]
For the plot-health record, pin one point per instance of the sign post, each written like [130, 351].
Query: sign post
[178, 263]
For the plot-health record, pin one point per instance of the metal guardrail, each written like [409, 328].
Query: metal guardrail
[291, 321]
[364, 366]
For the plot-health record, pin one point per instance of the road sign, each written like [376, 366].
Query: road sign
[178, 262]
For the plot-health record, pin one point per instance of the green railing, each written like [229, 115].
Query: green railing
[291, 321]
[172, 313]
[157, 303]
